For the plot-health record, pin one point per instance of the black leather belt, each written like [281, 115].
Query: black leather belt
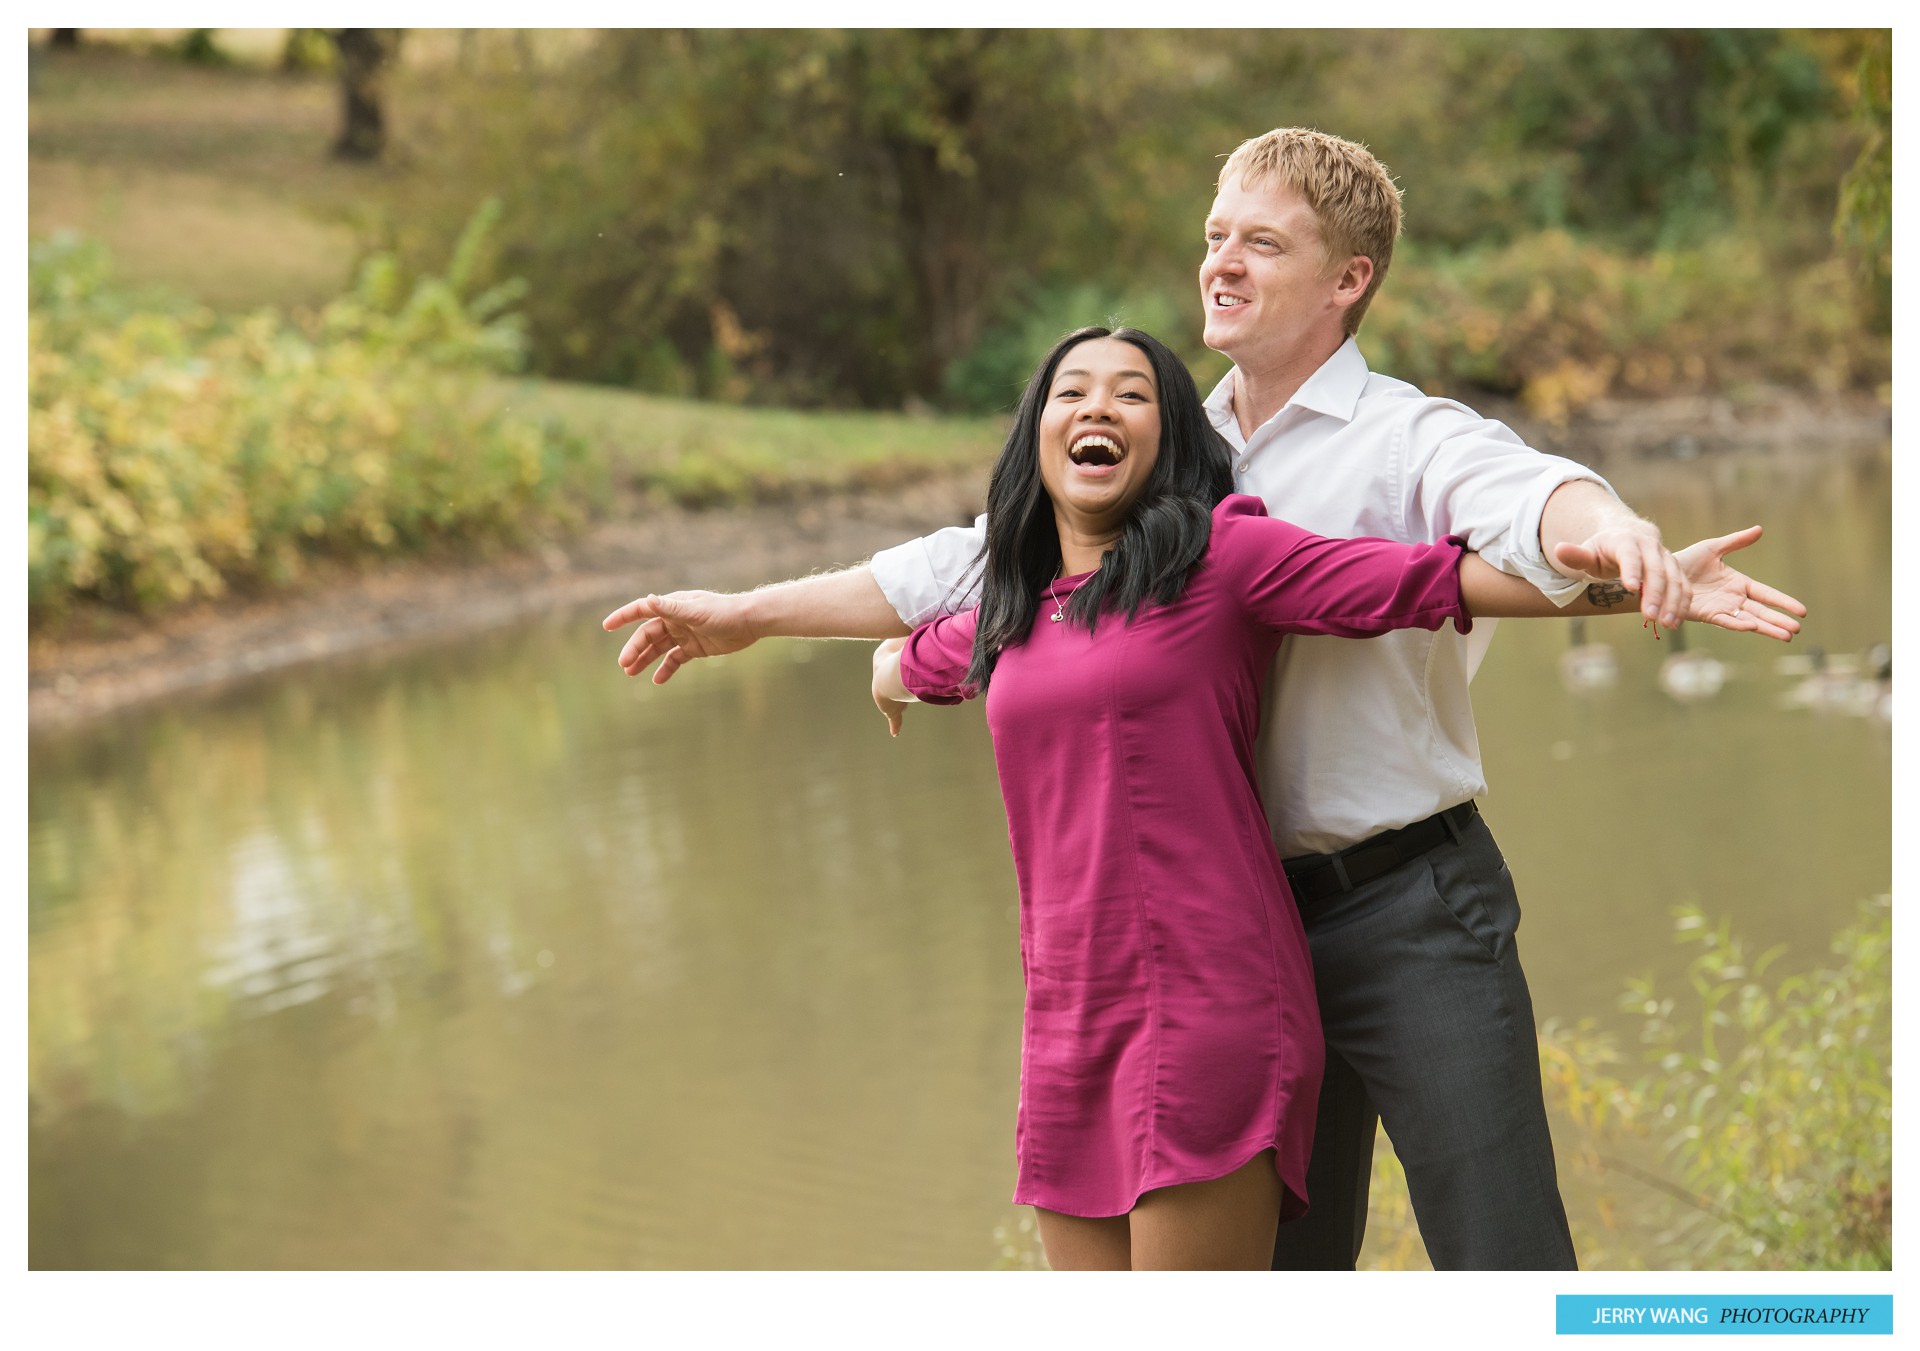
[1316, 877]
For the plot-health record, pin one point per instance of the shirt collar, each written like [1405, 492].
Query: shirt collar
[1334, 389]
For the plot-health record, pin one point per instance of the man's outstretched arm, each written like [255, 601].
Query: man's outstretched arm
[682, 625]
[1557, 525]
[1587, 516]
[1716, 593]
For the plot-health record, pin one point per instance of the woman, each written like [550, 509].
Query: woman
[1129, 610]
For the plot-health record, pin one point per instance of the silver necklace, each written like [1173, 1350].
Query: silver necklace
[1060, 606]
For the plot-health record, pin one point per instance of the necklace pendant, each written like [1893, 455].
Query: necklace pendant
[1059, 618]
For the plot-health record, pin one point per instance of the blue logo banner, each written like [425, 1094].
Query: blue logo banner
[1718, 1315]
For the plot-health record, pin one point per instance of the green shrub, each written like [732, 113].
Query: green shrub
[990, 378]
[173, 453]
[1761, 1135]
[1562, 321]
[1771, 1108]
[198, 47]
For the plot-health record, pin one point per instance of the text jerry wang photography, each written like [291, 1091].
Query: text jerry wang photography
[1367, 740]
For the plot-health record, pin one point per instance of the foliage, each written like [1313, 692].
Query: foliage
[1771, 1107]
[436, 319]
[69, 287]
[197, 46]
[771, 212]
[1393, 1235]
[308, 49]
[172, 453]
[1641, 135]
[991, 376]
[876, 217]
[1561, 322]
[1767, 1112]
[1863, 221]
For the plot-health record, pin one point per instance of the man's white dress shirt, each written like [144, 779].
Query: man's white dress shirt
[1360, 735]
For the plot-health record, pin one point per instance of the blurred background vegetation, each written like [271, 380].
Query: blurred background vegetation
[871, 217]
[879, 220]
[176, 451]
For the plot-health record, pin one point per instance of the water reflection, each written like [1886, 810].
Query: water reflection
[484, 956]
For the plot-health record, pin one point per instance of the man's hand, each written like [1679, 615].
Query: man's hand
[887, 686]
[676, 628]
[1631, 552]
[1718, 594]
[1732, 599]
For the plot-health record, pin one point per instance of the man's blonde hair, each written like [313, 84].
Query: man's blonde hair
[1349, 191]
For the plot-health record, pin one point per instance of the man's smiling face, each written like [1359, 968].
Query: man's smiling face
[1265, 282]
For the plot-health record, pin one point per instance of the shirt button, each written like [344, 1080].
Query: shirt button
[1243, 466]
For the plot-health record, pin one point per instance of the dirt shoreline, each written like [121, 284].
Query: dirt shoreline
[76, 677]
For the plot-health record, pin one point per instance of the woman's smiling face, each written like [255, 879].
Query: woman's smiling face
[1099, 434]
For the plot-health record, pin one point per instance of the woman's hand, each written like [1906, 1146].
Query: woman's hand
[889, 692]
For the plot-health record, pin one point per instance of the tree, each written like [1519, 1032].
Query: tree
[365, 56]
[836, 216]
[803, 216]
[1863, 220]
[65, 37]
[978, 135]
[307, 49]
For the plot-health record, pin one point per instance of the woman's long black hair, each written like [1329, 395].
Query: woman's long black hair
[1164, 537]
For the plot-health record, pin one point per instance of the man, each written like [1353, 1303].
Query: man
[1369, 760]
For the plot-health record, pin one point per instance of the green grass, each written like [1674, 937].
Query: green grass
[211, 183]
[702, 454]
[216, 184]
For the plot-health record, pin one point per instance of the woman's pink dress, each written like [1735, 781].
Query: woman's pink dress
[1171, 1030]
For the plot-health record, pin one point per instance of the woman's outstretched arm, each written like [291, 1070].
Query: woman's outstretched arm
[1492, 594]
[683, 625]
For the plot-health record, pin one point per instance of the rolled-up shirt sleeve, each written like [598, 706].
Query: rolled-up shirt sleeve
[933, 664]
[932, 575]
[1480, 481]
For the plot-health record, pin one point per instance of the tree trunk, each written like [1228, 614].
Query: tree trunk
[65, 37]
[941, 215]
[365, 56]
[940, 235]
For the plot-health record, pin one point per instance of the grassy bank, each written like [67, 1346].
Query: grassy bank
[688, 453]
[214, 184]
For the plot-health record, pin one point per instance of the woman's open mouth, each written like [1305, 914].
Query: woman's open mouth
[1095, 451]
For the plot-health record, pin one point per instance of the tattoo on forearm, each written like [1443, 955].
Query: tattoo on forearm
[1606, 595]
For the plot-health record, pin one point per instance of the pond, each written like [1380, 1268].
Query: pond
[484, 956]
